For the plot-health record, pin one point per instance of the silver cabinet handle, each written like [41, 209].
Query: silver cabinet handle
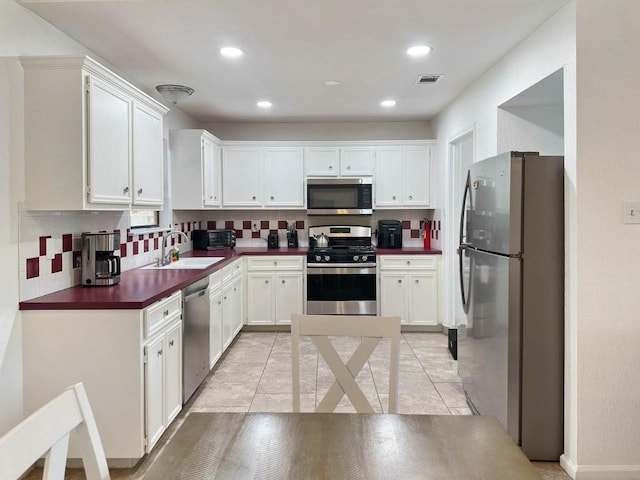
[125, 189]
[266, 281]
[283, 282]
[210, 196]
[330, 167]
[348, 167]
[253, 198]
[171, 343]
[160, 352]
[165, 313]
[410, 197]
[139, 191]
[273, 198]
[408, 262]
[417, 281]
[399, 281]
[394, 197]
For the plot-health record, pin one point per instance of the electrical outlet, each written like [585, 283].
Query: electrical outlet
[631, 212]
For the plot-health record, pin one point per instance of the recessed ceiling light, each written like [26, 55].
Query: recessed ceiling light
[332, 83]
[264, 104]
[388, 103]
[419, 50]
[231, 52]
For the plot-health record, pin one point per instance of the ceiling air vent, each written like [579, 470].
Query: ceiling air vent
[428, 79]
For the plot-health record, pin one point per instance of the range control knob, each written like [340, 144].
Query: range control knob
[327, 258]
[364, 258]
[355, 258]
[318, 258]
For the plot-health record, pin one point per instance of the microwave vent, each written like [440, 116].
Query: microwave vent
[428, 79]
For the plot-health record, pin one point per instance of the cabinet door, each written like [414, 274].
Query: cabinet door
[237, 305]
[242, 177]
[154, 391]
[394, 296]
[148, 177]
[323, 161]
[109, 148]
[416, 176]
[215, 329]
[173, 372]
[284, 177]
[260, 295]
[289, 288]
[356, 161]
[211, 173]
[227, 316]
[388, 177]
[423, 304]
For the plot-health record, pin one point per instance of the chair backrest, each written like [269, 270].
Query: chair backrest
[46, 432]
[371, 329]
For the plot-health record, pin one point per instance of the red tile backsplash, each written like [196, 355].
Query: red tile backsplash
[56, 263]
[67, 242]
[211, 225]
[33, 267]
[228, 224]
[246, 224]
[43, 245]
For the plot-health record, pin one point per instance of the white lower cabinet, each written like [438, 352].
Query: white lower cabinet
[130, 362]
[232, 300]
[409, 288]
[215, 318]
[163, 381]
[275, 289]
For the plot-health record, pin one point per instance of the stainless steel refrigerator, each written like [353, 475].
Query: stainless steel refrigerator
[511, 258]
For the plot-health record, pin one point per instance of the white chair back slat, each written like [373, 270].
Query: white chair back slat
[46, 433]
[371, 329]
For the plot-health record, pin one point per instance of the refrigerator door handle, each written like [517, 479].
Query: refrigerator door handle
[465, 295]
[466, 205]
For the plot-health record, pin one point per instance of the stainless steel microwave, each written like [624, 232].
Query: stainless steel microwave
[340, 196]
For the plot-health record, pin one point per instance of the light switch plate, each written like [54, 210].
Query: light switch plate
[631, 212]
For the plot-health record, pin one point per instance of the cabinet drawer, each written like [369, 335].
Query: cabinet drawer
[405, 262]
[156, 315]
[215, 281]
[274, 263]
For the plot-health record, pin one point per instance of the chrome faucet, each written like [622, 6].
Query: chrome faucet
[165, 258]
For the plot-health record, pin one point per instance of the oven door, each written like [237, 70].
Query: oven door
[341, 289]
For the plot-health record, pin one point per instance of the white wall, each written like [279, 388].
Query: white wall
[607, 333]
[322, 131]
[23, 33]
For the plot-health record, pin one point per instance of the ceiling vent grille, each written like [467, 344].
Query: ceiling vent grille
[428, 79]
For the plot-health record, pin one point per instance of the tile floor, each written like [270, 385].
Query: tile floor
[254, 375]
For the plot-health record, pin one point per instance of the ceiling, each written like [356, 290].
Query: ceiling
[292, 47]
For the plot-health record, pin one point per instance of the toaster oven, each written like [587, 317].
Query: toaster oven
[213, 239]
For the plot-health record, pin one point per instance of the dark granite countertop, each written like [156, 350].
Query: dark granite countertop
[139, 288]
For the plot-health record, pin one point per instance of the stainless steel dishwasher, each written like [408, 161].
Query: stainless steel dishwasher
[195, 338]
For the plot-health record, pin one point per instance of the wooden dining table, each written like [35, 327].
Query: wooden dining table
[238, 446]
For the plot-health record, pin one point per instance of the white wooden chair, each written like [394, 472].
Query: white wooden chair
[371, 329]
[46, 432]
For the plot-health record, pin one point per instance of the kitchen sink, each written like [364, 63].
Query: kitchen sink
[186, 264]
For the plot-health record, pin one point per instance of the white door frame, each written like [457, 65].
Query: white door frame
[451, 221]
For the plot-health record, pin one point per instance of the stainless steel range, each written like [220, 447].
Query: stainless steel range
[341, 271]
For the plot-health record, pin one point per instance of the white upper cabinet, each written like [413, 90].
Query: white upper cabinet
[242, 174]
[402, 176]
[284, 177]
[339, 161]
[148, 177]
[109, 127]
[259, 176]
[85, 129]
[195, 170]
[323, 161]
[356, 161]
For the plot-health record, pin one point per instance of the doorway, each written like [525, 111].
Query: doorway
[461, 154]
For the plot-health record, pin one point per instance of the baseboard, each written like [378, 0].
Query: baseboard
[599, 472]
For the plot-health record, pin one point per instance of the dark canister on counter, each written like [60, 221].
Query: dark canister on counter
[389, 234]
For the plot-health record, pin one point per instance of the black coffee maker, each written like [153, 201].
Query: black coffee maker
[389, 234]
[292, 236]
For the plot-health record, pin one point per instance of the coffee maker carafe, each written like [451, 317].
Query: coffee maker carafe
[99, 264]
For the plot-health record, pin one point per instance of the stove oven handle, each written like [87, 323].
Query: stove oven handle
[341, 265]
